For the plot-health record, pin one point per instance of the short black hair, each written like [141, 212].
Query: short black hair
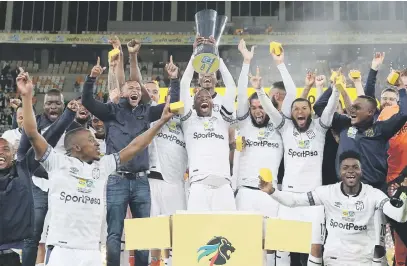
[254, 96]
[54, 92]
[70, 135]
[390, 90]
[371, 101]
[278, 85]
[349, 154]
[301, 100]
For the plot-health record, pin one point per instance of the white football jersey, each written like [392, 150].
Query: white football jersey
[76, 190]
[303, 154]
[207, 143]
[167, 152]
[349, 220]
[60, 148]
[264, 149]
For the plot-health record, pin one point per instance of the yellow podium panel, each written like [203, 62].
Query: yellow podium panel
[217, 239]
[287, 235]
[147, 233]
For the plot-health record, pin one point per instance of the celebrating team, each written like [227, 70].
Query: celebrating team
[201, 141]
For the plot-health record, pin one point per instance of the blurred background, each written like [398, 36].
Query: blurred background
[58, 42]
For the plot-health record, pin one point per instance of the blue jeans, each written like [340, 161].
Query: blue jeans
[30, 248]
[120, 193]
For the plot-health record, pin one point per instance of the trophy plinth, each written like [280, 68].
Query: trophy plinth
[208, 23]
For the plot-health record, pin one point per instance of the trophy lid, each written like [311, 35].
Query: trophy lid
[220, 27]
[205, 22]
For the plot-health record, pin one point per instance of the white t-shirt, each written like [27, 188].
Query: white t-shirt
[264, 149]
[60, 148]
[303, 154]
[167, 152]
[207, 143]
[13, 136]
[349, 220]
[76, 190]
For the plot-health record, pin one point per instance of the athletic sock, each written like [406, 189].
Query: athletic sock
[313, 261]
[271, 259]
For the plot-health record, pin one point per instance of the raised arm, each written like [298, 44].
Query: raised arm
[275, 116]
[185, 85]
[103, 111]
[25, 87]
[328, 113]
[291, 199]
[309, 82]
[134, 47]
[370, 87]
[156, 111]
[118, 61]
[357, 82]
[242, 103]
[391, 126]
[289, 84]
[141, 142]
[230, 94]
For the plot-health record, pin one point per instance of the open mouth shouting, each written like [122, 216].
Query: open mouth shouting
[259, 118]
[83, 113]
[205, 107]
[53, 115]
[301, 121]
[3, 162]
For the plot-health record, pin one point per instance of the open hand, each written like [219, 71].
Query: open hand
[255, 80]
[377, 60]
[198, 41]
[24, 83]
[97, 70]
[167, 115]
[309, 79]
[247, 55]
[172, 69]
[114, 95]
[266, 187]
[133, 46]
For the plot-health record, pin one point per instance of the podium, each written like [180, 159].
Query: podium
[207, 239]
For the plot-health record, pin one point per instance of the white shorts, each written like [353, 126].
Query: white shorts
[208, 198]
[328, 261]
[68, 257]
[314, 214]
[45, 228]
[256, 200]
[166, 198]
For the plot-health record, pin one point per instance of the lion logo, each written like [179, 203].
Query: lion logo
[218, 249]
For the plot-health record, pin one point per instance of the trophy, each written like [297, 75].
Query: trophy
[208, 23]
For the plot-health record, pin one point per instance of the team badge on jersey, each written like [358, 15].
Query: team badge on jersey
[217, 251]
[208, 125]
[265, 132]
[303, 144]
[216, 107]
[369, 133]
[174, 127]
[85, 185]
[348, 216]
[352, 132]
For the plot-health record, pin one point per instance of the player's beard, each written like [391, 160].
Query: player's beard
[264, 124]
[275, 103]
[309, 120]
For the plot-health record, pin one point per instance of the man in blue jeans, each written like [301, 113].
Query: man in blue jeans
[128, 185]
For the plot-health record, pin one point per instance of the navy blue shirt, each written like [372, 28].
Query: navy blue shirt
[370, 142]
[16, 199]
[123, 123]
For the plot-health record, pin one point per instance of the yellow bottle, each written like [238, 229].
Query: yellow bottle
[277, 47]
[113, 53]
[266, 175]
[177, 108]
[355, 74]
[393, 77]
[239, 143]
[333, 75]
[340, 85]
